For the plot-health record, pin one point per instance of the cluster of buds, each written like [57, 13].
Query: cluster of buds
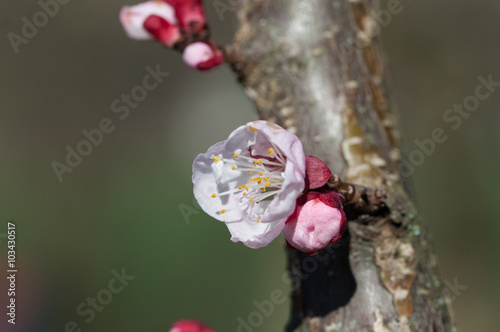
[260, 183]
[177, 24]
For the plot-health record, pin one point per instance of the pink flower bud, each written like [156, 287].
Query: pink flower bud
[168, 34]
[317, 222]
[133, 18]
[190, 325]
[201, 56]
[189, 13]
[317, 173]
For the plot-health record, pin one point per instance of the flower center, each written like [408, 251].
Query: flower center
[265, 178]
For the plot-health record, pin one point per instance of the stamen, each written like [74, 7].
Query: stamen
[267, 183]
[280, 158]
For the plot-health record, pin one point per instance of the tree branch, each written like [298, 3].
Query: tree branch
[316, 68]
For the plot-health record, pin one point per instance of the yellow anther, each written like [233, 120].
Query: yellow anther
[271, 150]
[223, 211]
[263, 190]
[217, 159]
[214, 195]
[258, 220]
[251, 199]
[261, 173]
[249, 172]
[240, 187]
[258, 162]
[246, 189]
[252, 129]
[244, 194]
[244, 186]
[233, 168]
[236, 155]
[266, 178]
[268, 184]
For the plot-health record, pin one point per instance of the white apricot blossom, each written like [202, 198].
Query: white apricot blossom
[251, 181]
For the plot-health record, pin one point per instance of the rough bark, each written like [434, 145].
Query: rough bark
[316, 67]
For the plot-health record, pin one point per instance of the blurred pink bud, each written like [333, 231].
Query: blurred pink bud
[190, 325]
[317, 173]
[317, 222]
[168, 34]
[189, 13]
[201, 56]
[133, 18]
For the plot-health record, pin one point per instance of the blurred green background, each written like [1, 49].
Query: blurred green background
[121, 207]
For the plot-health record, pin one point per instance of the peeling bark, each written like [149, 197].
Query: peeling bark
[316, 67]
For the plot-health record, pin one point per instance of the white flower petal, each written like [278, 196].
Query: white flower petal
[255, 235]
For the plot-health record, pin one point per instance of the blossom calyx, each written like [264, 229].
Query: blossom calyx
[317, 173]
[189, 13]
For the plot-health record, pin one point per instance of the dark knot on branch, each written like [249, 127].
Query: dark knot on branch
[360, 199]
